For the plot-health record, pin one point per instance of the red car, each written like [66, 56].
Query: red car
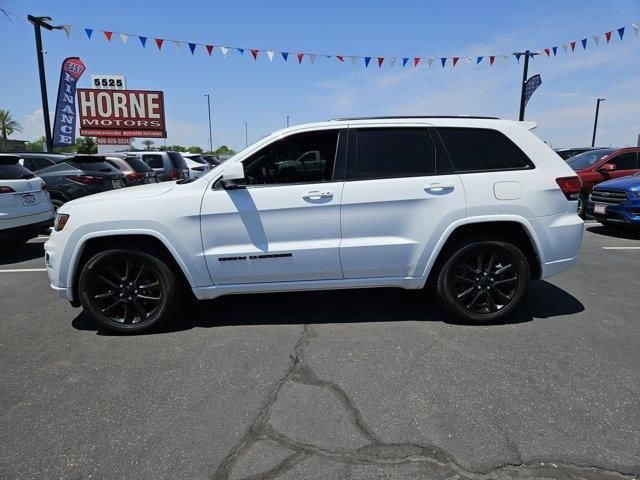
[596, 166]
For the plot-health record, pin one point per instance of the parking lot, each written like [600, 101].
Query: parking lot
[350, 384]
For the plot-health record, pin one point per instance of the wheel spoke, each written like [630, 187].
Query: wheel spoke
[466, 292]
[474, 300]
[463, 279]
[503, 269]
[127, 312]
[505, 280]
[491, 305]
[127, 269]
[107, 281]
[149, 285]
[105, 310]
[112, 271]
[147, 297]
[480, 262]
[139, 275]
[143, 314]
[100, 296]
[502, 295]
[490, 264]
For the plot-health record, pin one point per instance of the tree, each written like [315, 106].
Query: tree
[7, 126]
[194, 150]
[36, 145]
[147, 144]
[86, 145]
[224, 150]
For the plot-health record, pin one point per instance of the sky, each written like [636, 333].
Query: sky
[263, 93]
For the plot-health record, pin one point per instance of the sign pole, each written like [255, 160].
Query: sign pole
[210, 135]
[595, 122]
[37, 23]
[525, 73]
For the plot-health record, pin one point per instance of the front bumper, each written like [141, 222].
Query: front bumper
[627, 213]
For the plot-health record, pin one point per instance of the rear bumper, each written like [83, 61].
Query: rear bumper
[30, 225]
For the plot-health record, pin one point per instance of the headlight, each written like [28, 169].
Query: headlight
[59, 221]
[635, 194]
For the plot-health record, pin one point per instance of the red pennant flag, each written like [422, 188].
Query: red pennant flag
[108, 35]
[209, 49]
[159, 43]
[255, 54]
[547, 51]
[416, 61]
[608, 35]
[300, 57]
[455, 60]
[573, 46]
[491, 60]
[380, 60]
[340, 57]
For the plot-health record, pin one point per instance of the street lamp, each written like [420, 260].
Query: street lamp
[210, 134]
[246, 136]
[287, 121]
[595, 122]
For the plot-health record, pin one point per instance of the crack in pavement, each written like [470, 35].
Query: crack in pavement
[376, 452]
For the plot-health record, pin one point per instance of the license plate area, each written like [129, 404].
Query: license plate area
[29, 199]
[600, 209]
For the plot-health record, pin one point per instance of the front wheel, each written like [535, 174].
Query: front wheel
[127, 290]
[484, 281]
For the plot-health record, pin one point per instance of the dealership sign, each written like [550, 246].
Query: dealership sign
[121, 113]
[64, 124]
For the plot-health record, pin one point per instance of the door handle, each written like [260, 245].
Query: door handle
[316, 195]
[439, 187]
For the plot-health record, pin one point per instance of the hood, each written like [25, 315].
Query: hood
[126, 193]
[624, 183]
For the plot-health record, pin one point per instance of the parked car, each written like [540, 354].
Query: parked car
[211, 160]
[73, 176]
[198, 166]
[567, 153]
[168, 165]
[25, 207]
[616, 202]
[475, 207]
[136, 172]
[597, 166]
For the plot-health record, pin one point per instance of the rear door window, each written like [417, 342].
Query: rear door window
[153, 160]
[479, 150]
[177, 160]
[393, 153]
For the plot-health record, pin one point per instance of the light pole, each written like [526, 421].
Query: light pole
[210, 134]
[37, 23]
[595, 122]
[525, 73]
[287, 121]
[246, 135]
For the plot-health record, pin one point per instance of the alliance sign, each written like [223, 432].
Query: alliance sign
[121, 113]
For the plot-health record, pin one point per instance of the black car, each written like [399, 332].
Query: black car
[136, 172]
[73, 176]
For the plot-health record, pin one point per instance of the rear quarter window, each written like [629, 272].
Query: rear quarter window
[480, 150]
[14, 171]
[92, 166]
[177, 160]
[137, 165]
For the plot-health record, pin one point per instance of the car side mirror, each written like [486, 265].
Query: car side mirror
[607, 167]
[233, 177]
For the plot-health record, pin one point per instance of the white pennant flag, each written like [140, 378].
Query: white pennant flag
[636, 27]
[270, 55]
[430, 61]
[392, 61]
[224, 51]
[596, 39]
[354, 60]
[177, 44]
[467, 59]
[124, 37]
[505, 58]
[67, 30]
[312, 57]
[565, 47]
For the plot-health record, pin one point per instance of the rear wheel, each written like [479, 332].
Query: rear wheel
[484, 281]
[582, 205]
[56, 204]
[127, 290]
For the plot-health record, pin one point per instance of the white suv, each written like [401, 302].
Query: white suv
[475, 207]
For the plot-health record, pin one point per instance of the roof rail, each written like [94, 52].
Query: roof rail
[392, 117]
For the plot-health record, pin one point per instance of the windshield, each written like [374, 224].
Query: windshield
[14, 171]
[197, 158]
[587, 159]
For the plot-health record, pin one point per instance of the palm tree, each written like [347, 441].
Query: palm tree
[147, 144]
[7, 126]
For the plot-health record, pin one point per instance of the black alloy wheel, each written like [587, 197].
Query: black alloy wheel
[484, 281]
[127, 291]
[582, 205]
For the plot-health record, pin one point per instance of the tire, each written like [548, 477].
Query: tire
[582, 205]
[57, 203]
[467, 289]
[110, 289]
[17, 241]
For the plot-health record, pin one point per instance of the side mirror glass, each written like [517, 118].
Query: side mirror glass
[233, 176]
[607, 167]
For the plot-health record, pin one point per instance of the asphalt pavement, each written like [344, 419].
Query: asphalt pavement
[358, 384]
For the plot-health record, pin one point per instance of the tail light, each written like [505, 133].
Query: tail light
[570, 186]
[43, 185]
[4, 189]
[135, 176]
[174, 174]
[85, 179]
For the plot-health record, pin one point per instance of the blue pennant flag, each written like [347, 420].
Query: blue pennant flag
[366, 61]
[518, 57]
[443, 60]
[404, 61]
[621, 32]
[555, 51]
[479, 59]
[584, 43]
[241, 50]
[530, 86]
[192, 47]
[285, 55]
[89, 31]
[143, 41]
